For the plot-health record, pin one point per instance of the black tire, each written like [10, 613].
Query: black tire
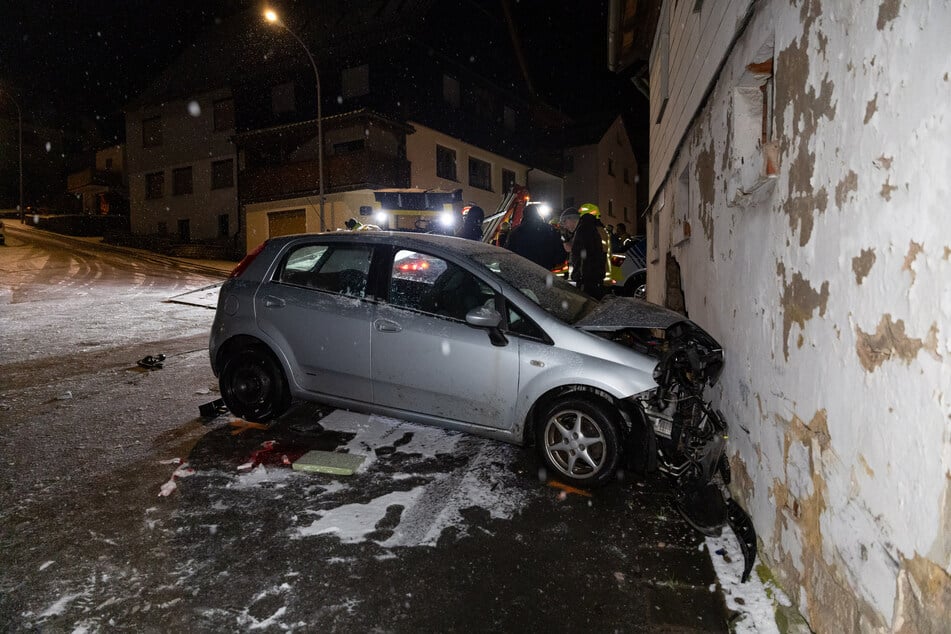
[578, 441]
[253, 386]
[636, 285]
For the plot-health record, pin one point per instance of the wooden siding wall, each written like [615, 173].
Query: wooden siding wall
[698, 44]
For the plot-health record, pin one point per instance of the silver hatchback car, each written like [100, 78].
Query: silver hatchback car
[448, 332]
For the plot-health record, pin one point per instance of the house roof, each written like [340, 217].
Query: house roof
[590, 130]
[341, 118]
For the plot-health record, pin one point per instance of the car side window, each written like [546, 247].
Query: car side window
[519, 324]
[430, 284]
[340, 269]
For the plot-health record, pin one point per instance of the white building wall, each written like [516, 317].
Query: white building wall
[615, 145]
[421, 152]
[828, 288]
[189, 139]
[591, 182]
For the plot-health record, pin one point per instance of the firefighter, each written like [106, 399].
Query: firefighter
[471, 228]
[534, 239]
[588, 252]
[567, 224]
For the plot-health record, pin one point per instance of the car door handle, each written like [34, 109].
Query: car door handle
[273, 302]
[385, 325]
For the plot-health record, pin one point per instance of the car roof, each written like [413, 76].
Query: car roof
[406, 239]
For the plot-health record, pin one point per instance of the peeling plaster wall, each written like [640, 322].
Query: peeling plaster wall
[829, 287]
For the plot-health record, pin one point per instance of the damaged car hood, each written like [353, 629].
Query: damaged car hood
[626, 312]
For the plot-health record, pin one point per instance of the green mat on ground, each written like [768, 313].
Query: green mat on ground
[328, 462]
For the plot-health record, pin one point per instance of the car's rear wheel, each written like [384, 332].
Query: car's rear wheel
[253, 385]
[578, 440]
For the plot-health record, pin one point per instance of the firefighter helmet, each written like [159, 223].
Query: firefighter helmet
[590, 208]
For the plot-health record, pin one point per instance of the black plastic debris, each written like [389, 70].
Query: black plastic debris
[213, 409]
[742, 525]
[152, 362]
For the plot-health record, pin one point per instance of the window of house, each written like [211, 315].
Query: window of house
[184, 230]
[569, 163]
[154, 185]
[655, 237]
[508, 180]
[445, 163]
[627, 176]
[627, 217]
[224, 114]
[682, 207]
[611, 209]
[152, 132]
[508, 117]
[181, 181]
[753, 151]
[764, 72]
[482, 101]
[610, 167]
[450, 90]
[355, 81]
[108, 164]
[480, 174]
[224, 225]
[222, 174]
[282, 98]
[346, 147]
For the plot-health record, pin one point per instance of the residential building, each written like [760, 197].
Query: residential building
[397, 101]
[182, 167]
[798, 211]
[600, 168]
[102, 189]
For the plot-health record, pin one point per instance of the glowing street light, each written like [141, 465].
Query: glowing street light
[20, 150]
[271, 16]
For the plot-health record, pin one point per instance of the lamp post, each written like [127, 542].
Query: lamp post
[273, 18]
[20, 150]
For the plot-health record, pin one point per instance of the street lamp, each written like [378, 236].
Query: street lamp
[274, 18]
[20, 149]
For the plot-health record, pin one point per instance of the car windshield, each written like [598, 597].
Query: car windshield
[549, 291]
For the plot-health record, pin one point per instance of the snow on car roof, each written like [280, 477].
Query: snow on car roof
[403, 238]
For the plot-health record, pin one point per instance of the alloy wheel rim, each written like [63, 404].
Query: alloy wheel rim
[575, 444]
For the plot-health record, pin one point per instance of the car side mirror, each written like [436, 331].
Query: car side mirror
[489, 319]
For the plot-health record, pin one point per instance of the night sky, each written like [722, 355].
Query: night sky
[80, 63]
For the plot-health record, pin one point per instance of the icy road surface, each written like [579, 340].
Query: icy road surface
[121, 509]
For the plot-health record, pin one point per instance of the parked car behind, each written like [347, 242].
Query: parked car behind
[443, 331]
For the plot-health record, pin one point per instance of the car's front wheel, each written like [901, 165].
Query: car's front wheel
[578, 440]
[253, 385]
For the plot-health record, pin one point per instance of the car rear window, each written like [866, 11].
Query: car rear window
[340, 269]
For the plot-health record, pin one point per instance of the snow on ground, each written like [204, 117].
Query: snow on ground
[754, 600]
[431, 508]
[428, 509]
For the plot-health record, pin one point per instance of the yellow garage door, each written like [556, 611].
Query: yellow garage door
[284, 223]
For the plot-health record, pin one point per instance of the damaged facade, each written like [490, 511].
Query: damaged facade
[799, 179]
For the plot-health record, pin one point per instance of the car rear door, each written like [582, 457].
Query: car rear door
[315, 308]
[426, 359]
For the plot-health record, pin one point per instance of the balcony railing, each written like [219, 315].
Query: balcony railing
[93, 177]
[363, 169]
